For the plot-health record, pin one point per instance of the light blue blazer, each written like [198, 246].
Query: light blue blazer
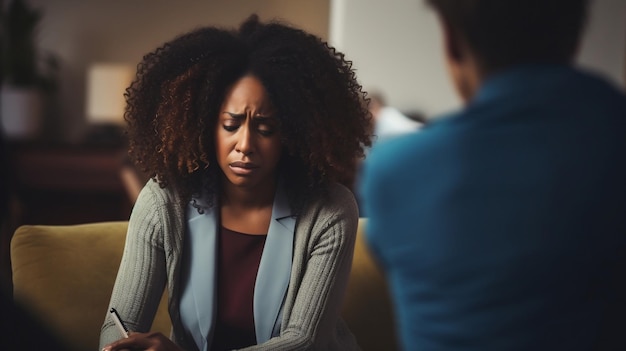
[199, 266]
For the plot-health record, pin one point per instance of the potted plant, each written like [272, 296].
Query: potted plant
[26, 75]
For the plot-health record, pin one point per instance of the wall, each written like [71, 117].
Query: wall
[604, 46]
[394, 44]
[81, 32]
[396, 48]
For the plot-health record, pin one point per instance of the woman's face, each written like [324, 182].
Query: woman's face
[247, 136]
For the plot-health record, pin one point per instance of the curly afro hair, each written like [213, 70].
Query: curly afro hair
[172, 106]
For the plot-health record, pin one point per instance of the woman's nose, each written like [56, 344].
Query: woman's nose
[244, 142]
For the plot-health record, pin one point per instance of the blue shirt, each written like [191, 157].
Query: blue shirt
[502, 226]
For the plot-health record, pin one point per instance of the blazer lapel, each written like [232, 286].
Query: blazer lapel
[199, 277]
[274, 270]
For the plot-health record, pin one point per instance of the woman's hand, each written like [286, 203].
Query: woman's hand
[153, 341]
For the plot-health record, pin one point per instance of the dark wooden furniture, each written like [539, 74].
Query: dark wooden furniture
[61, 183]
[69, 183]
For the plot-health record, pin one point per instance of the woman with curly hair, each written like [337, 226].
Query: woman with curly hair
[250, 137]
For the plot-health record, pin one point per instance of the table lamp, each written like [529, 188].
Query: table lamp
[106, 84]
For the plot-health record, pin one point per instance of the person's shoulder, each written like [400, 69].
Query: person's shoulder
[153, 194]
[338, 207]
[339, 196]
[336, 200]
[152, 188]
[598, 83]
[339, 192]
[583, 92]
[583, 84]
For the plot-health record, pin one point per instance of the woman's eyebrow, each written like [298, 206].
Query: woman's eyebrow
[236, 115]
[262, 118]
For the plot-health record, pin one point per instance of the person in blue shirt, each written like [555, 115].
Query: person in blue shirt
[502, 226]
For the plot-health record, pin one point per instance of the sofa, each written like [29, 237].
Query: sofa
[63, 276]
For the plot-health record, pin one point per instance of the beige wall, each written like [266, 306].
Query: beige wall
[81, 32]
[396, 49]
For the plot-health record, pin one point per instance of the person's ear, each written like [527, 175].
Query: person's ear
[459, 61]
[452, 42]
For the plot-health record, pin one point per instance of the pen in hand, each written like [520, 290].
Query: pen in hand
[118, 322]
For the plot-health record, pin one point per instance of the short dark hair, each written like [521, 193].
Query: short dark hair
[506, 32]
[173, 104]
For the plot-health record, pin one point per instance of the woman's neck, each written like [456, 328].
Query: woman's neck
[241, 197]
[247, 210]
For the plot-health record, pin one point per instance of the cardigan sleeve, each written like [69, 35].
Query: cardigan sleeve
[141, 277]
[319, 276]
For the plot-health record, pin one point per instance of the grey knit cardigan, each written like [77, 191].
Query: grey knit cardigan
[322, 258]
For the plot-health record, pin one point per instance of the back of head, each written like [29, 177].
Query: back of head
[502, 33]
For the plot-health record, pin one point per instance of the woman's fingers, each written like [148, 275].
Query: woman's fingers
[153, 341]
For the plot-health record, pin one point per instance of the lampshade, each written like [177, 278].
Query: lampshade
[106, 84]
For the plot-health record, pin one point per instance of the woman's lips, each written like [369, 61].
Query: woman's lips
[243, 168]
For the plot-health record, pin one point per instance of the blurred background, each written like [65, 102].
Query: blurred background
[65, 64]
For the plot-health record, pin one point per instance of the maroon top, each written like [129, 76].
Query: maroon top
[238, 258]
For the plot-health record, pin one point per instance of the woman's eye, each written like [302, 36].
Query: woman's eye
[230, 128]
[265, 130]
